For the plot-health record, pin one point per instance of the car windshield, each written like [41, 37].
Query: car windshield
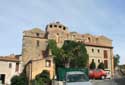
[77, 78]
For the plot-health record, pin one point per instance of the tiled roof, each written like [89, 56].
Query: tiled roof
[97, 45]
[12, 58]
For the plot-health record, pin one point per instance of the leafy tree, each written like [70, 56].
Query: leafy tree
[71, 54]
[78, 55]
[116, 60]
[92, 65]
[101, 66]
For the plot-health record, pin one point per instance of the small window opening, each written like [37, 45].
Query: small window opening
[55, 25]
[37, 34]
[64, 28]
[48, 63]
[50, 26]
[92, 50]
[98, 60]
[60, 26]
[38, 43]
[98, 51]
[10, 65]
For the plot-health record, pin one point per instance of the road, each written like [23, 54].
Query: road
[120, 81]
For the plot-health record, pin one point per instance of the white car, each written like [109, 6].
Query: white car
[108, 74]
[77, 78]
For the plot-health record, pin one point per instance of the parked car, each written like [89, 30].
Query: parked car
[97, 74]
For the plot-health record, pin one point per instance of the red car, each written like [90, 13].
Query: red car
[97, 74]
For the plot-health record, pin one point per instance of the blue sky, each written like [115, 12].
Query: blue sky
[98, 17]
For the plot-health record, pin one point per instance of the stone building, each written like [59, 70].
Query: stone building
[9, 66]
[37, 57]
[100, 50]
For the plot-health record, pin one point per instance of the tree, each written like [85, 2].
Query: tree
[116, 60]
[71, 54]
[77, 54]
[92, 65]
[101, 66]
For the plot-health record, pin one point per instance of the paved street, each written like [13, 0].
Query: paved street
[120, 81]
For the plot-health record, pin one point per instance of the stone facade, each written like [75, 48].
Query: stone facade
[36, 55]
[99, 49]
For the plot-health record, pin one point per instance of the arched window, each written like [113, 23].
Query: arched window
[37, 34]
[92, 50]
[98, 51]
[89, 39]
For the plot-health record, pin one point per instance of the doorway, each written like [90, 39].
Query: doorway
[2, 78]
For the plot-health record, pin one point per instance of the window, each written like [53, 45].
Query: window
[89, 40]
[60, 26]
[74, 35]
[55, 25]
[17, 67]
[37, 34]
[64, 28]
[98, 51]
[10, 65]
[106, 63]
[50, 26]
[92, 50]
[48, 63]
[105, 54]
[37, 43]
[98, 60]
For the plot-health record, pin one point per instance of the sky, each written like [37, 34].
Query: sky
[97, 17]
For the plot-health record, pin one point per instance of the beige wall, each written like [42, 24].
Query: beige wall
[9, 72]
[39, 66]
[99, 55]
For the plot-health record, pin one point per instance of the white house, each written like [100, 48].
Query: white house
[9, 66]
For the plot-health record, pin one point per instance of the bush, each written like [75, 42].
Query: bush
[101, 66]
[19, 80]
[42, 78]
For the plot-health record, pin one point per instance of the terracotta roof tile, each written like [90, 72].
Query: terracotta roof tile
[9, 58]
[97, 45]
